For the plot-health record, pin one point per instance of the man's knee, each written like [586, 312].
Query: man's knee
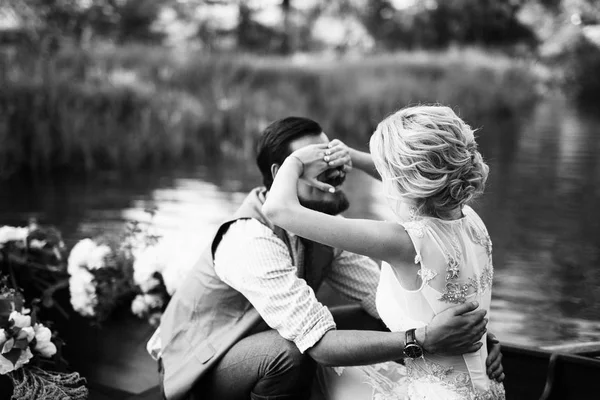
[287, 357]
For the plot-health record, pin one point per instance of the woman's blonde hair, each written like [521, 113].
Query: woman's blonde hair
[429, 155]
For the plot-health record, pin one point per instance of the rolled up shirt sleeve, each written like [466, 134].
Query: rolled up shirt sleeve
[254, 261]
[356, 277]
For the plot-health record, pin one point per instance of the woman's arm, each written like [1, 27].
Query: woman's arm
[377, 239]
[364, 162]
[358, 159]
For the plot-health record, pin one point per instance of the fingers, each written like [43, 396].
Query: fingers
[492, 339]
[474, 347]
[334, 161]
[479, 330]
[465, 308]
[495, 369]
[493, 354]
[500, 378]
[321, 185]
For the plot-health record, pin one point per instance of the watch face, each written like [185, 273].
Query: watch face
[413, 350]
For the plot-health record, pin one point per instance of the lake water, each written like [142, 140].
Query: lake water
[541, 209]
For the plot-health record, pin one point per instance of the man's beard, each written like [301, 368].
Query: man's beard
[337, 205]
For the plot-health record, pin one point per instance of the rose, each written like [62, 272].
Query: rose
[44, 344]
[20, 320]
[7, 366]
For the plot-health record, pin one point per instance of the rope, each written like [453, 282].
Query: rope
[35, 383]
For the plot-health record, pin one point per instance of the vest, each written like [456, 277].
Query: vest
[206, 317]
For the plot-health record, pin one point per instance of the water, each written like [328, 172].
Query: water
[540, 208]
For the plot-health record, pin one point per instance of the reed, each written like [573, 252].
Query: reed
[128, 108]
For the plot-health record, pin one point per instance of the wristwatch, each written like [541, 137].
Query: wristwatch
[412, 349]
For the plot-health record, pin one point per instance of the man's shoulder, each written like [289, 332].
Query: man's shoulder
[248, 227]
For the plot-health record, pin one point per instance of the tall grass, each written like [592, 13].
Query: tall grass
[126, 108]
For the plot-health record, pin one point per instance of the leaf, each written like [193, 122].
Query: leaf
[13, 355]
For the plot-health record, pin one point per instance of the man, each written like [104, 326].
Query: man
[246, 322]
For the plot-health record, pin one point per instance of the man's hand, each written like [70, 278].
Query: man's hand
[494, 359]
[456, 330]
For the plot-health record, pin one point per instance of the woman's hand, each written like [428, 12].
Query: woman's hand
[338, 155]
[312, 158]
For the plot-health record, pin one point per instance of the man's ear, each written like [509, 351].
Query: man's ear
[274, 169]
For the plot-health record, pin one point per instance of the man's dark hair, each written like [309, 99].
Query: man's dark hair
[274, 144]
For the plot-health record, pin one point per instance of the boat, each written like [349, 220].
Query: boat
[563, 372]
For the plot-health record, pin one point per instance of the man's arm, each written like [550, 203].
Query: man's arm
[456, 330]
[252, 260]
[355, 277]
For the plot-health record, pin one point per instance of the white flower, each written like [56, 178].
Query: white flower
[2, 337]
[96, 258]
[154, 300]
[26, 355]
[12, 234]
[20, 320]
[7, 366]
[149, 284]
[138, 306]
[44, 343]
[29, 332]
[37, 244]
[147, 262]
[83, 292]
[78, 257]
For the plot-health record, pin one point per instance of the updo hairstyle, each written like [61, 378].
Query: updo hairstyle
[429, 155]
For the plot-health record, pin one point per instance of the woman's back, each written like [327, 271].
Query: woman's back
[455, 260]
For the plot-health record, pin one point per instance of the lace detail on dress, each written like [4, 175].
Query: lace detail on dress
[416, 228]
[484, 281]
[426, 377]
[426, 274]
[455, 292]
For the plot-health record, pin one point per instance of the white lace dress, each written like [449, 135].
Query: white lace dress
[455, 260]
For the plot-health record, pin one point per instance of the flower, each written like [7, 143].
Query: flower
[3, 337]
[44, 344]
[28, 333]
[83, 292]
[79, 254]
[149, 284]
[20, 320]
[154, 301]
[96, 258]
[138, 306]
[12, 234]
[7, 366]
[147, 262]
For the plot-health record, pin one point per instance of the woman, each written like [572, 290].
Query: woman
[437, 254]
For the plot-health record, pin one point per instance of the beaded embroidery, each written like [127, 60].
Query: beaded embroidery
[484, 281]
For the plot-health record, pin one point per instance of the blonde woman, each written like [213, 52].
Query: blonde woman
[437, 254]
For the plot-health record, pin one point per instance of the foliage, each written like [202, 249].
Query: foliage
[581, 71]
[34, 257]
[134, 107]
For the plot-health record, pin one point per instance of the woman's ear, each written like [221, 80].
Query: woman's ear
[274, 169]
